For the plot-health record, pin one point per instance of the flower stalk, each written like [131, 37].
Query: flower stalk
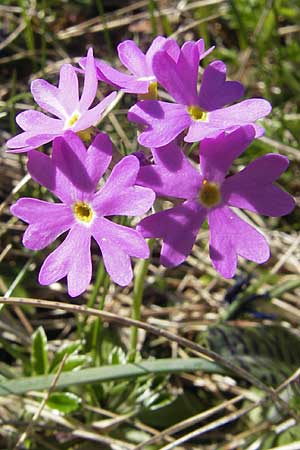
[141, 270]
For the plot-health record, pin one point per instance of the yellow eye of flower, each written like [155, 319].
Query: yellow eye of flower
[87, 135]
[197, 113]
[73, 119]
[209, 194]
[152, 92]
[83, 211]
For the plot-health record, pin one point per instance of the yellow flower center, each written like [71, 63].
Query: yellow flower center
[83, 212]
[197, 113]
[209, 194]
[72, 120]
[152, 92]
[87, 135]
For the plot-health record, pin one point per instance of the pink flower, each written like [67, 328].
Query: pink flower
[201, 114]
[63, 102]
[72, 175]
[210, 194]
[139, 65]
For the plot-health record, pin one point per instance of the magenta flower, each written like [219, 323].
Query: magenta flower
[72, 174]
[202, 114]
[63, 102]
[141, 78]
[209, 194]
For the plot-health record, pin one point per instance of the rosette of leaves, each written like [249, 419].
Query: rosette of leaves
[269, 352]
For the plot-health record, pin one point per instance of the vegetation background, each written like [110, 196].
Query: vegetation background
[212, 363]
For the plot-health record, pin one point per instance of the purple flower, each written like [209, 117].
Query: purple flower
[63, 102]
[202, 114]
[141, 79]
[209, 194]
[72, 174]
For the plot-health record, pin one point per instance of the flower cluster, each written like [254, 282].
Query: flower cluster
[89, 206]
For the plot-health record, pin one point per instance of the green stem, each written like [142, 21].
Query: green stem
[43, 36]
[141, 270]
[152, 7]
[28, 32]
[98, 282]
[96, 347]
[107, 38]
[100, 276]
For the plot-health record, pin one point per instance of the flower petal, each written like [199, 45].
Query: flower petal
[157, 44]
[47, 97]
[105, 72]
[120, 196]
[242, 113]
[231, 236]
[259, 130]
[217, 154]
[201, 49]
[37, 121]
[98, 157]
[68, 88]
[252, 188]
[26, 142]
[215, 91]
[117, 244]
[47, 221]
[199, 130]
[178, 77]
[43, 170]
[71, 258]
[41, 130]
[188, 68]
[36, 140]
[117, 263]
[128, 83]
[164, 121]
[172, 48]
[72, 173]
[90, 84]
[125, 238]
[69, 156]
[133, 58]
[19, 143]
[171, 175]
[93, 116]
[178, 227]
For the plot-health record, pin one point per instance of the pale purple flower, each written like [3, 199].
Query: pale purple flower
[72, 175]
[139, 65]
[73, 113]
[202, 114]
[209, 194]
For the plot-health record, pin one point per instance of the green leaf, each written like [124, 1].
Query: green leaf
[64, 402]
[117, 356]
[183, 406]
[271, 353]
[272, 439]
[109, 373]
[65, 349]
[74, 362]
[39, 352]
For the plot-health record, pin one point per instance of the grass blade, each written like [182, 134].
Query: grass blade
[108, 373]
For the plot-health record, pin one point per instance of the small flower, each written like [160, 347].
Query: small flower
[63, 102]
[202, 114]
[141, 79]
[72, 174]
[210, 195]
